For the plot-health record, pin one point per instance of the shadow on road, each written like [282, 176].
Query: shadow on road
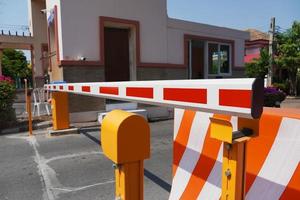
[163, 184]
[160, 182]
[85, 132]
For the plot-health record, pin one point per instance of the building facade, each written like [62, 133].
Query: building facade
[258, 40]
[120, 40]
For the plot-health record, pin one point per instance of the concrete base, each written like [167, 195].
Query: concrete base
[153, 113]
[122, 106]
[156, 113]
[88, 116]
[63, 132]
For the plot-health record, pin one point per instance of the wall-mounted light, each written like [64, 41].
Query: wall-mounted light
[45, 11]
[82, 58]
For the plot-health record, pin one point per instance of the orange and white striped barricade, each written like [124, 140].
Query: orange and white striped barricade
[272, 158]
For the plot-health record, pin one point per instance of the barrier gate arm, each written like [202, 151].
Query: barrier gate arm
[238, 97]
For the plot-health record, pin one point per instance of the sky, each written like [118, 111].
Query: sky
[238, 14]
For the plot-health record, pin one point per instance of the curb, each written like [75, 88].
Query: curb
[25, 128]
[69, 131]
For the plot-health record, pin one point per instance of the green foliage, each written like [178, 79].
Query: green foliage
[282, 86]
[259, 66]
[14, 64]
[288, 53]
[7, 95]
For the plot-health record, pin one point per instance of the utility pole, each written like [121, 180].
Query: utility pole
[271, 51]
[1, 54]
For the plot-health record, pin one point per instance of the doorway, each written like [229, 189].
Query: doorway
[117, 62]
[116, 47]
[196, 59]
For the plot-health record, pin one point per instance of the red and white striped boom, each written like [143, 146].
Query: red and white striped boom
[239, 97]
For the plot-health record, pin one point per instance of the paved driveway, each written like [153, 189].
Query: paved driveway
[291, 103]
[74, 167]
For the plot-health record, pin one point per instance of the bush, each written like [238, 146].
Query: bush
[258, 67]
[273, 97]
[282, 87]
[7, 95]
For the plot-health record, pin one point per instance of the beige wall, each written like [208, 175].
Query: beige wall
[161, 38]
[38, 28]
[49, 6]
[80, 22]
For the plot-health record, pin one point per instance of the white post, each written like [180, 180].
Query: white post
[190, 69]
[271, 40]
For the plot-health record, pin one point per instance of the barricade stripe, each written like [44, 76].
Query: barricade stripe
[191, 154]
[204, 165]
[54, 86]
[212, 187]
[139, 92]
[293, 188]
[235, 98]
[191, 95]
[177, 121]
[258, 148]
[182, 137]
[109, 90]
[280, 164]
[85, 88]
[71, 87]
[61, 87]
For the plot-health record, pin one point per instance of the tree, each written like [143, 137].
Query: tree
[288, 54]
[14, 64]
[259, 66]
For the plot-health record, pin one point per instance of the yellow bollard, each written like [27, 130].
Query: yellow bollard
[125, 139]
[60, 110]
[234, 151]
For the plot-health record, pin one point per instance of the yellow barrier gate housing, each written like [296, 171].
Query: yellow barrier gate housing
[125, 139]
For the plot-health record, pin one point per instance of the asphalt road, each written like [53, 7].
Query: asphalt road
[73, 167]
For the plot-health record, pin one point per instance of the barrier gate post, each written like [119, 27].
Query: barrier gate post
[234, 150]
[125, 139]
[60, 110]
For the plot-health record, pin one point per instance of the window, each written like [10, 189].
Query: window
[213, 58]
[218, 59]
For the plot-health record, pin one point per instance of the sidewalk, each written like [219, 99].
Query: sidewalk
[291, 102]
